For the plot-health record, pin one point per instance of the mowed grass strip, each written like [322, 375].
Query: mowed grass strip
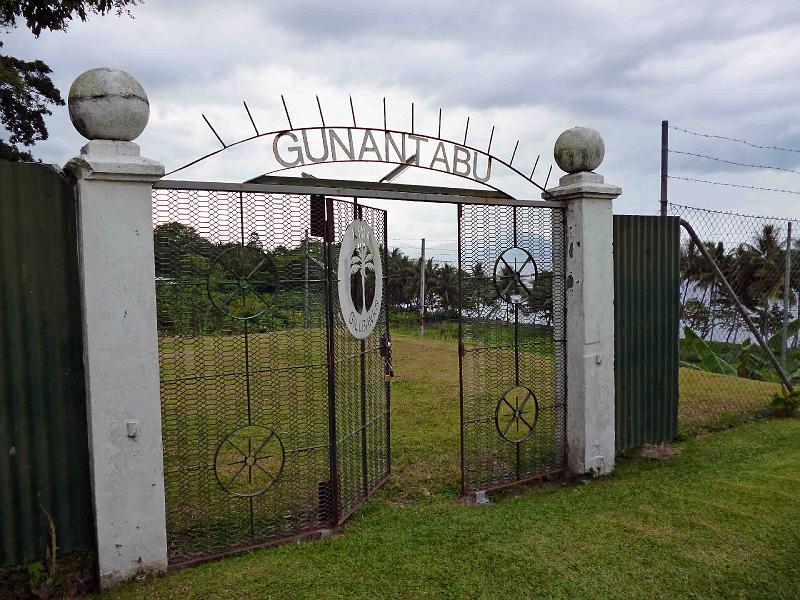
[717, 520]
[713, 401]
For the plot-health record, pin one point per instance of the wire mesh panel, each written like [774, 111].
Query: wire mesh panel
[725, 375]
[359, 363]
[512, 348]
[241, 299]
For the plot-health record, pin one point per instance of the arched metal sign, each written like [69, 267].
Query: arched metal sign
[295, 147]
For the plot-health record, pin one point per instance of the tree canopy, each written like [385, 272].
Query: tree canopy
[55, 15]
[26, 91]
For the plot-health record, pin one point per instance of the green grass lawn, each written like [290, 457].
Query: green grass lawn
[719, 519]
[712, 401]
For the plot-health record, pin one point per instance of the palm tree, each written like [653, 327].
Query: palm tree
[707, 278]
[445, 286]
[361, 263]
[400, 278]
[760, 266]
[477, 288]
[691, 264]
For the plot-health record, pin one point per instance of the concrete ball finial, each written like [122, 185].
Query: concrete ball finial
[579, 149]
[108, 104]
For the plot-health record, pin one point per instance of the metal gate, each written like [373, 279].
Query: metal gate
[259, 372]
[511, 344]
[359, 365]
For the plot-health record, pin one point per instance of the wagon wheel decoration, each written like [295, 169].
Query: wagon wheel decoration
[240, 281]
[516, 414]
[249, 461]
[515, 274]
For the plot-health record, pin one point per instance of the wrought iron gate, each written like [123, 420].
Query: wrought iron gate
[275, 418]
[511, 344]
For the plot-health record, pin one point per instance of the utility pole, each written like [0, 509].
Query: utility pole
[664, 165]
[422, 291]
[786, 287]
[305, 278]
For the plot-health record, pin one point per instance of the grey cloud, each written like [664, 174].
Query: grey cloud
[621, 69]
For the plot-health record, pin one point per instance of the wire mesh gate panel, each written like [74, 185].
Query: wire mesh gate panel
[511, 344]
[252, 357]
[359, 366]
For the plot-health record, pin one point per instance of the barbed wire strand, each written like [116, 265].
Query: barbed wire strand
[733, 139]
[435, 241]
[730, 213]
[732, 162]
[736, 185]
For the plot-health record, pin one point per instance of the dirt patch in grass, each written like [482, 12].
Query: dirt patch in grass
[659, 451]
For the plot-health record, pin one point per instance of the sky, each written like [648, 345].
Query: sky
[529, 69]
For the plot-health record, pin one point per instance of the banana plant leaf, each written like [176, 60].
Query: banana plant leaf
[689, 365]
[709, 361]
[774, 342]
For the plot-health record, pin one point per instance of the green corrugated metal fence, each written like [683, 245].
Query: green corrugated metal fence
[44, 461]
[646, 282]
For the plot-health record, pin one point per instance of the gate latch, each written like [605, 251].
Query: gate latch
[386, 353]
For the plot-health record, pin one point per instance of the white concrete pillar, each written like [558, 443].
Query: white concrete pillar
[589, 302]
[114, 184]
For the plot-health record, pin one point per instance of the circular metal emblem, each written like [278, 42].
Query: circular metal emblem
[515, 275]
[516, 414]
[240, 282]
[360, 279]
[249, 461]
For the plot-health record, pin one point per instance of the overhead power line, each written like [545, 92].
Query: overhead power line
[733, 139]
[732, 162]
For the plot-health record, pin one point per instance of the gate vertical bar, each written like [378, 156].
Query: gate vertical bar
[559, 310]
[517, 459]
[334, 470]
[363, 377]
[664, 165]
[461, 351]
[246, 334]
[422, 290]
[516, 323]
[388, 365]
[305, 281]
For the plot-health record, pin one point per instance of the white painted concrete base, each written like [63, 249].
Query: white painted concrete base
[590, 322]
[121, 356]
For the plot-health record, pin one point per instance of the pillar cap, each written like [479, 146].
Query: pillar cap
[114, 161]
[582, 185]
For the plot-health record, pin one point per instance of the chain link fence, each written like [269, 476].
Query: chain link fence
[725, 376]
